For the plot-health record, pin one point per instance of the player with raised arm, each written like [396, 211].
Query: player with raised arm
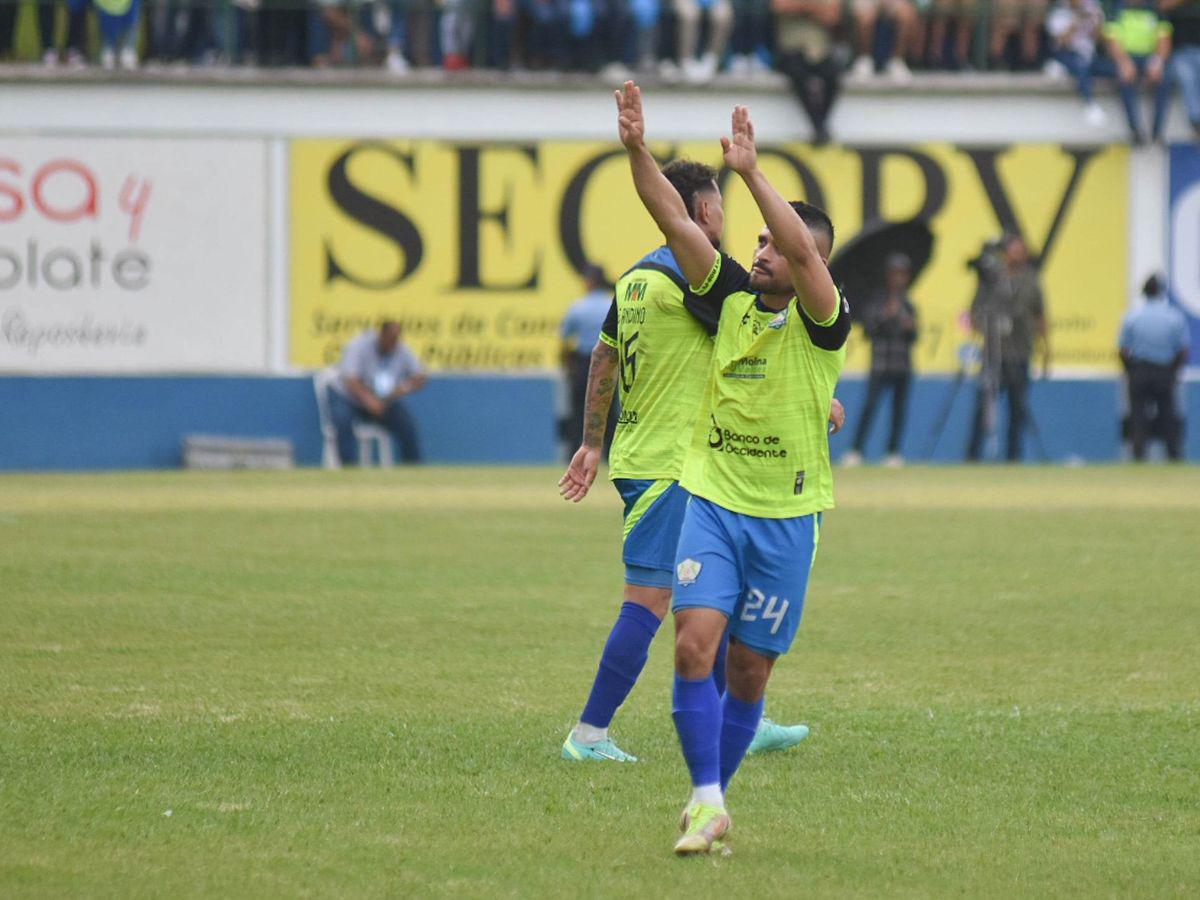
[656, 347]
[757, 469]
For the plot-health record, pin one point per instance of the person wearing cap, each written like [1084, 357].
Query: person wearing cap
[890, 324]
[1154, 346]
[579, 331]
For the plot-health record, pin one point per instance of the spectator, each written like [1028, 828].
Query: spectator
[960, 15]
[546, 25]
[1185, 58]
[500, 34]
[890, 323]
[688, 20]
[457, 31]
[45, 23]
[750, 42]
[1010, 314]
[377, 372]
[580, 330]
[903, 17]
[1154, 346]
[118, 32]
[237, 31]
[1139, 42]
[283, 33]
[805, 54]
[1074, 26]
[1022, 18]
[344, 34]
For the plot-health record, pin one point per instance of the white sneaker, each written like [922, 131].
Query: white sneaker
[396, 63]
[108, 59]
[1094, 115]
[739, 65]
[669, 71]
[50, 58]
[863, 68]
[128, 59]
[1055, 70]
[697, 71]
[76, 60]
[893, 461]
[898, 71]
[851, 458]
[616, 73]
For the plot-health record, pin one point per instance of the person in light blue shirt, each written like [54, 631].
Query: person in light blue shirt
[376, 372]
[579, 331]
[1154, 345]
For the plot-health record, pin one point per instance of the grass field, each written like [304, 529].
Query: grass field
[356, 684]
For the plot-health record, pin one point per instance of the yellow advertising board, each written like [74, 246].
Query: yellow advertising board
[476, 248]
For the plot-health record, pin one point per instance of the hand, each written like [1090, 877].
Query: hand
[631, 125]
[1126, 72]
[376, 406]
[580, 474]
[1154, 69]
[740, 152]
[837, 416]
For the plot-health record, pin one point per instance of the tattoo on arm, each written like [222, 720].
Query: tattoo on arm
[602, 383]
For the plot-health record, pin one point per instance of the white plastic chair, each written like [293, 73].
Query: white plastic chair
[365, 433]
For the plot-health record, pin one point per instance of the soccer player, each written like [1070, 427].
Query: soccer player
[656, 346]
[757, 468]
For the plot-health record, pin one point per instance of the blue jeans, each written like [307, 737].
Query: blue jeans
[396, 420]
[1084, 70]
[1129, 97]
[1185, 71]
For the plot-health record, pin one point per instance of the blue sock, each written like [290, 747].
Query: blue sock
[719, 663]
[621, 663]
[739, 721]
[697, 713]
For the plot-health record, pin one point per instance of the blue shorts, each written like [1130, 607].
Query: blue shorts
[653, 516]
[754, 570]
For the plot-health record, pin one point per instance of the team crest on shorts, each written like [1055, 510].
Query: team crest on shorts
[687, 572]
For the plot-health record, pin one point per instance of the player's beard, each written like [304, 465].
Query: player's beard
[766, 283]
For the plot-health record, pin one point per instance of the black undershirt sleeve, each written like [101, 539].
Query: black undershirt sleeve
[609, 328]
[832, 336]
[706, 307]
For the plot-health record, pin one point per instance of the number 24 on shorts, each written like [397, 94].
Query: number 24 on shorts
[774, 612]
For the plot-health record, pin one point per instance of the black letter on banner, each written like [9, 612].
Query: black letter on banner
[376, 215]
[570, 227]
[872, 164]
[470, 217]
[812, 188]
[985, 158]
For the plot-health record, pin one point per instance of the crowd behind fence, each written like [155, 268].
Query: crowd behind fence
[814, 43]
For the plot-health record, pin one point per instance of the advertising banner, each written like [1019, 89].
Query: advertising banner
[476, 249]
[1184, 229]
[132, 255]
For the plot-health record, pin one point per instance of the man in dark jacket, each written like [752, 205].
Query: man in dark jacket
[890, 324]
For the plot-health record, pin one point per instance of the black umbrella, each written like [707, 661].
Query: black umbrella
[859, 266]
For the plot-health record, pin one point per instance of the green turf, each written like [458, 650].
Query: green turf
[356, 684]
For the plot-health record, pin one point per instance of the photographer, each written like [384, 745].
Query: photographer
[1009, 313]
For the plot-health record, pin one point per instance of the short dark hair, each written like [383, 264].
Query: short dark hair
[815, 218]
[690, 178]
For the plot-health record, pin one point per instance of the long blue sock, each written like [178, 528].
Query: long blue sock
[719, 663]
[739, 721]
[621, 663]
[697, 713]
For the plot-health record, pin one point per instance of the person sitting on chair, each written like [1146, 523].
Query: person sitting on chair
[376, 371]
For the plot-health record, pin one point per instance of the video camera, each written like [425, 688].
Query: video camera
[990, 261]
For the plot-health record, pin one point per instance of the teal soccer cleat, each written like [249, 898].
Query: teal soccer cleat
[604, 750]
[772, 736]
